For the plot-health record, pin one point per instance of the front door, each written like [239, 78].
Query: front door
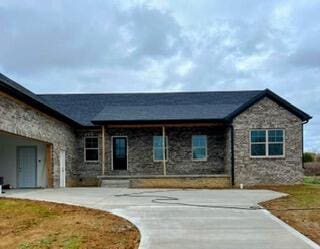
[27, 167]
[119, 153]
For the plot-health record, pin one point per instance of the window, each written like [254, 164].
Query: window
[199, 148]
[158, 148]
[267, 143]
[275, 142]
[91, 149]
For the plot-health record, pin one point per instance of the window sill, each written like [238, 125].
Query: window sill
[91, 161]
[200, 160]
[267, 157]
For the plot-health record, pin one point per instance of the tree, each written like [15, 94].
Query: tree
[308, 157]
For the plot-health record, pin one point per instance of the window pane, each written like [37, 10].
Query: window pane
[158, 154]
[157, 141]
[199, 153]
[91, 142]
[258, 136]
[199, 141]
[120, 148]
[258, 149]
[276, 149]
[158, 149]
[275, 135]
[91, 155]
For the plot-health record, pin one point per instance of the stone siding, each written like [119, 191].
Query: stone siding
[287, 170]
[140, 151]
[19, 118]
[182, 182]
[88, 169]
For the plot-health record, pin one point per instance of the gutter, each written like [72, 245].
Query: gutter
[232, 155]
[302, 134]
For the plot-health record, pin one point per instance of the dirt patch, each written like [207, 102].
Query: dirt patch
[28, 224]
[300, 209]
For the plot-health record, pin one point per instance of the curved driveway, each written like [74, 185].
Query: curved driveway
[175, 226]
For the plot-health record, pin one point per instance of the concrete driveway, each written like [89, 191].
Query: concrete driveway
[175, 223]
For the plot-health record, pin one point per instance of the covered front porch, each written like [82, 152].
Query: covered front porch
[182, 155]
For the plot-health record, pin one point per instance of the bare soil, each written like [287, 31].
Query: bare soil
[300, 209]
[28, 224]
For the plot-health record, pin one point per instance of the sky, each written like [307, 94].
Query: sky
[174, 45]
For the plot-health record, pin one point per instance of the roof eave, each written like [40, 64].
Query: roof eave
[159, 121]
[6, 88]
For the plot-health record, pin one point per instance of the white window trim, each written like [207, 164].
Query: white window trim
[112, 137]
[85, 150]
[205, 159]
[167, 148]
[267, 143]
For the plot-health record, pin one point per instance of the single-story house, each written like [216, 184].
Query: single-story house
[149, 139]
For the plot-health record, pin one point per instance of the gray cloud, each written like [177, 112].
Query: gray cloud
[105, 46]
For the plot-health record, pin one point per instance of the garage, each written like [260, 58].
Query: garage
[24, 162]
[37, 142]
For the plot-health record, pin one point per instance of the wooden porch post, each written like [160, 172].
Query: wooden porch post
[103, 161]
[164, 150]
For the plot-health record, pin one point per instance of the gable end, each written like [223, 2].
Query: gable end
[271, 95]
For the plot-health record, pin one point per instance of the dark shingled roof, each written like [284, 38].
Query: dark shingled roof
[89, 109]
[174, 106]
[94, 109]
[85, 108]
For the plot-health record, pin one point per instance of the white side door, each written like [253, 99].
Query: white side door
[27, 167]
[62, 168]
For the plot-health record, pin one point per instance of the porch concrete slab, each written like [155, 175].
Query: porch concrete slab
[171, 224]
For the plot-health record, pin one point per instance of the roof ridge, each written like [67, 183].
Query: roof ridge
[147, 93]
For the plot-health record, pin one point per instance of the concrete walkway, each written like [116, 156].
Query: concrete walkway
[177, 226]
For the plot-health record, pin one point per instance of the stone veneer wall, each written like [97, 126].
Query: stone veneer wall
[87, 172]
[140, 151]
[227, 151]
[268, 114]
[19, 118]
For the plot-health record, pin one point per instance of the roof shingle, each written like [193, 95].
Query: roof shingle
[85, 108]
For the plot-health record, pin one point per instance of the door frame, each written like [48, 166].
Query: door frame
[112, 137]
[62, 181]
[36, 168]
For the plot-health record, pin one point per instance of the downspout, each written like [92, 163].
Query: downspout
[103, 161]
[232, 154]
[302, 134]
[229, 125]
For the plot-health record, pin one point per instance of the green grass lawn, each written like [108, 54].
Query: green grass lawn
[301, 208]
[312, 180]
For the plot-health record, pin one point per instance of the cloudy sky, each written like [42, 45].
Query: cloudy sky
[173, 45]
